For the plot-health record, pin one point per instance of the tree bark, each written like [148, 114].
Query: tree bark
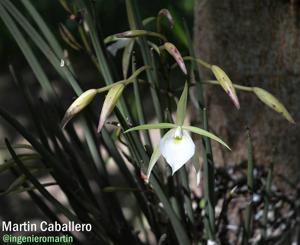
[257, 43]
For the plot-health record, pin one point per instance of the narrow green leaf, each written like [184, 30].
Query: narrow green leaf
[31, 161]
[248, 223]
[79, 104]
[110, 102]
[226, 84]
[154, 158]
[148, 20]
[119, 189]
[206, 134]
[26, 189]
[126, 57]
[181, 106]
[26, 50]
[172, 50]
[53, 58]
[152, 126]
[271, 101]
[135, 23]
[50, 37]
[154, 47]
[18, 182]
[139, 105]
[64, 4]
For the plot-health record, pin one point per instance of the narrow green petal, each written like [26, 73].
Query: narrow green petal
[181, 106]
[152, 126]
[154, 158]
[206, 134]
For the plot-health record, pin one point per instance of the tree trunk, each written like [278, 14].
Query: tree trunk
[257, 43]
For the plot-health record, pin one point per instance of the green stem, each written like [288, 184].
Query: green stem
[239, 87]
[209, 184]
[209, 221]
[198, 60]
[131, 79]
[250, 184]
[135, 23]
[138, 103]
[267, 200]
[133, 34]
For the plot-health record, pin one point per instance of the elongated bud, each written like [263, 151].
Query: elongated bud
[109, 104]
[172, 50]
[166, 13]
[273, 102]
[226, 84]
[80, 103]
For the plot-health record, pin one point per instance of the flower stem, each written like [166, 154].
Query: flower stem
[239, 87]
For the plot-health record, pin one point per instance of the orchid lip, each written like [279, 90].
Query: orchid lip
[177, 147]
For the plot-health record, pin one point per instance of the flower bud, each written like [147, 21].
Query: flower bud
[80, 103]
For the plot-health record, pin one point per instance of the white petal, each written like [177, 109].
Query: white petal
[177, 151]
[114, 47]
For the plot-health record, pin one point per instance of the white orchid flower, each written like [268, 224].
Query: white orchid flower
[177, 147]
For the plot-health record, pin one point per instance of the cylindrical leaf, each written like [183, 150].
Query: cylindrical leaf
[273, 102]
[80, 103]
[109, 103]
[226, 83]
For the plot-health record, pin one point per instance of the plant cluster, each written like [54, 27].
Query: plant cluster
[166, 209]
